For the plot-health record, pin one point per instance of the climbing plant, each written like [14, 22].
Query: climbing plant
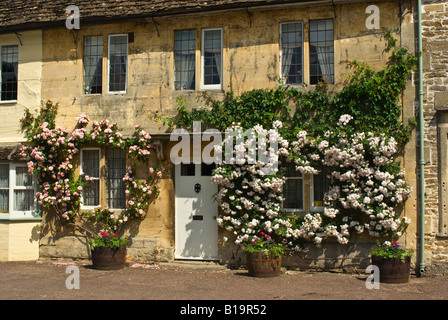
[357, 133]
[52, 151]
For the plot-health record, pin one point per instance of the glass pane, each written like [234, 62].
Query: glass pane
[115, 186]
[4, 176]
[212, 57]
[4, 201]
[291, 52]
[23, 179]
[93, 64]
[321, 51]
[292, 192]
[118, 57]
[207, 169]
[184, 59]
[9, 70]
[91, 193]
[321, 184]
[91, 163]
[187, 169]
[23, 200]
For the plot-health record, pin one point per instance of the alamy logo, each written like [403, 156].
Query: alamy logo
[72, 22]
[373, 280]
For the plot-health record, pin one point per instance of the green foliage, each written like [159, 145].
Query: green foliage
[108, 239]
[264, 243]
[390, 250]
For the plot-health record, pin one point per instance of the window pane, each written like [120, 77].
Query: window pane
[184, 59]
[118, 59]
[116, 170]
[23, 179]
[91, 193]
[212, 56]
[4, 201]
[293, 194]
[10, 62]
[91, 163]
[291, 52]
[91, 167]
[207, 169]
[23, 200]
[293, 188]
[321, 51]
[93, 64]
[187, 169]
[321, 184]
[4, 176]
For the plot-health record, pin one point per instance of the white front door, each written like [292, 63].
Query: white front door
[196, 233]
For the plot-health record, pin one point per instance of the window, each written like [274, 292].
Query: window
[291, 52]
[9, 56]
[93, 65]
[321, 51]
[184, 59]
[212, 59]
[90, 166]
[17, 192]
[293, 189]
[118, 63]
[320, 185]
[111, 176]
[115, 186]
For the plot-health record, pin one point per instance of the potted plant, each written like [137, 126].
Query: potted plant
[108, 251]
[393, 262]
[264, 256]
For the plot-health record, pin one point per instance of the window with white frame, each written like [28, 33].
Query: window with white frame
[115, 171]
[291, 52]
[320, 185]
[211, 59]
[17, 192]
[293, 192]
[321, 51]
[118, 63]
[93, 65]
[90, 167]
[9, 56]
[184, 59]
[111, 176]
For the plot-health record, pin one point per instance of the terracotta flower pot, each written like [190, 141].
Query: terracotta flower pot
[106, 258]
[262, 265]
[393, 270]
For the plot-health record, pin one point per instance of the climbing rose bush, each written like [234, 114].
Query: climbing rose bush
[367, 187]
[52, 150]
[250, 199]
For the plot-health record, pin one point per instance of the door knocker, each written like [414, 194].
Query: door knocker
[197, 187]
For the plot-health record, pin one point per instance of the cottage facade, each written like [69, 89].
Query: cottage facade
[130, 63]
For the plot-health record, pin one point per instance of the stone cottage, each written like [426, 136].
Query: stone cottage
[130, 61]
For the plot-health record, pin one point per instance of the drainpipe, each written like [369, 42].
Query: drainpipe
[421, 146]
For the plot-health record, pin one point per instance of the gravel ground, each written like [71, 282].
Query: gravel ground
[46, 280]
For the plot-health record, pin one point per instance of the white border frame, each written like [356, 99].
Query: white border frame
[108, 63]
[211, 86]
